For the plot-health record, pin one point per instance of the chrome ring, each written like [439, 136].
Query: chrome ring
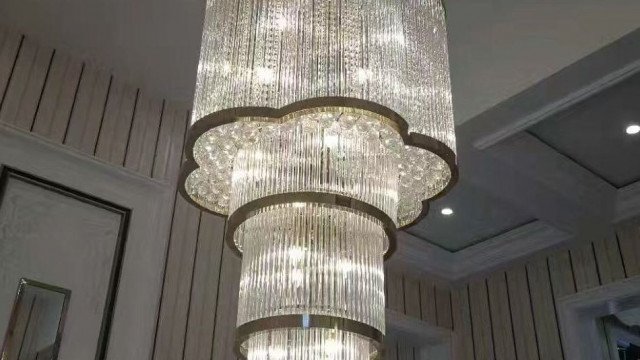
[307, 321]
[251, 208]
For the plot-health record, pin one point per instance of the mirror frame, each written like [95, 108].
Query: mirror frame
[24, 282]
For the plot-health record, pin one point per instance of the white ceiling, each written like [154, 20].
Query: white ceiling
[498, 48]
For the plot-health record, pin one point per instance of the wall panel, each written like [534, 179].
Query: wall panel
[629, 241]
[532, 290]
[481, 321]
[58, 96]
[9, 47]
[609, 259]
[113, 138]
[501, 325]
[25, 86]
[204, 288]
[395, 291]
[428, 301]
[585, 269]
[462, 341]
[412, 297]
[524, 332]
[174, 308]
[88, 109]
[443, 307]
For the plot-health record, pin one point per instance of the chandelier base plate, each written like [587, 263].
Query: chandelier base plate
[307, 321]
[253, 207]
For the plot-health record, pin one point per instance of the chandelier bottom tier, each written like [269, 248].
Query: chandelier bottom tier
[312, 266]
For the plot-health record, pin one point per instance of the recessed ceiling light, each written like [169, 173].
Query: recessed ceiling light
[633, 129]
[446, 211]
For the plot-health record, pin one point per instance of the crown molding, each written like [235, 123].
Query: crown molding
[627, 202]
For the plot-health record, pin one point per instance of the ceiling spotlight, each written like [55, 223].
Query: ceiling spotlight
[446, 211]
[633, 129]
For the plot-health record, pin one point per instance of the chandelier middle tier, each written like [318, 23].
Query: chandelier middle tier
[319, 128]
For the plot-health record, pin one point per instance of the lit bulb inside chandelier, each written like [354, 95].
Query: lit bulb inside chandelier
[319, 128]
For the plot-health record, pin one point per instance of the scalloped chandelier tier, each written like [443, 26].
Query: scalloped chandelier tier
[319, 128]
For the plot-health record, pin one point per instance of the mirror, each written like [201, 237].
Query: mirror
[622, 333]
[37, 319]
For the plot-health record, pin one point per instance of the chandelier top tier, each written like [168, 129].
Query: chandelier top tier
[377, 64]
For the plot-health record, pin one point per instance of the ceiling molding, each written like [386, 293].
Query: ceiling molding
[420, 257]
[628, 202]
[581, 80]
[506, 248]
[417, 331]
[414, 255]
[493, 171]
[588, 200]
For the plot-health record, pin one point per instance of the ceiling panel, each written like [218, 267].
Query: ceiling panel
[477, 217]
[592, 133]
[497, 48]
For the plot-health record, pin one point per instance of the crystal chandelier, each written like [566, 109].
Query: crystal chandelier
[319, 128]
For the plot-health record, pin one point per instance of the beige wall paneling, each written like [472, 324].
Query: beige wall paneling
[629, 240]
[524, 332]
[226, 312]
[113, 137]
[9, 46]
[390, 348]
[405, 350]
[412, 297]
[428, 301]
[585, 269]
[443, 307]
[58, 97]
[172, 319]
[88, 109]
[144, 134]
[395, 291]
[481, 320]
[204, 288]
[609, 259]
[544, 315]
[25, 85]
[501, 317]
[561, 273]
[462, 341]
[170, 140]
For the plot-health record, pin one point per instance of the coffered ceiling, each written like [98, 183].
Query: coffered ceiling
[593, 134]
[477, 216]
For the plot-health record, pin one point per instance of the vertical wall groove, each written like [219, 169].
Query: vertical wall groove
[44, 84]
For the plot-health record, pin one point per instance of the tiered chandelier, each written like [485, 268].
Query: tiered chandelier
[319, 128]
